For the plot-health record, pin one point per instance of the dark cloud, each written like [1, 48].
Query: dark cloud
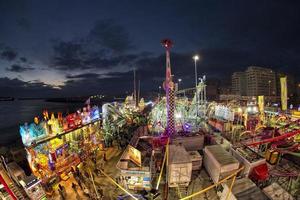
[75, 55]
[9, 54]
[104, 46]
[23, 59]
[228, 36]
[23, 23]
[114, 83]
[84, 76]
[110, 62]
[18, 68]
[18, 88]
[68, 55]
[108, 34]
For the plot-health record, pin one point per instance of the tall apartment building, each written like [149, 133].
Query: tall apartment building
[260, 81]
[254, 81]
[238, 83]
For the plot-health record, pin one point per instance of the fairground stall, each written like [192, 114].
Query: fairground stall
[54, 145]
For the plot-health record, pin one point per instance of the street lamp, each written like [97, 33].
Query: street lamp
[179, 81]
[159, 88]
[269, 91]
[195, 58]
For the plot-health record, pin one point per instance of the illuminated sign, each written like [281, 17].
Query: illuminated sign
[224, 113]
[135, 155]
[95, 113]
[296, 113]
[54, 126]
[31, 132]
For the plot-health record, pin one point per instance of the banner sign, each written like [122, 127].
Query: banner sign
[283, 93]
[135, 155]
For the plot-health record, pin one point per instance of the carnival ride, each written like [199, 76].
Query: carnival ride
[185, 114]
[275, 136]
[119, 120]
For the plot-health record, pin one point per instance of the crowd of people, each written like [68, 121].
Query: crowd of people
[83, 178]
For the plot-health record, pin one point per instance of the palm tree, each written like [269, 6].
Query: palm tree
[120, 123]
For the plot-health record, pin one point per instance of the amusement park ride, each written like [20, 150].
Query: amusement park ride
[170, 90]
[249, 129]
[254, 146]
[176, 114]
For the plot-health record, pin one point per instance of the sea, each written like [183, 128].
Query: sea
[15, 113]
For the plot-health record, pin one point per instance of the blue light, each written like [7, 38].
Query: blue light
[94, 114]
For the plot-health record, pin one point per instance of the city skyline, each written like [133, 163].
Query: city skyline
[57, 48]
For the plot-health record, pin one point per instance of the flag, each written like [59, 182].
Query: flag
[88, 101]
[261, 103]
[283, 93]
[261, 107]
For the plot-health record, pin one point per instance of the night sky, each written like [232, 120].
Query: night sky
[70, 48]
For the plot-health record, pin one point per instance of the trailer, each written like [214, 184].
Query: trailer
[196, 160]
[191, 142]
[180, 166]
[218, 162]
[243, 189]
[276, 192]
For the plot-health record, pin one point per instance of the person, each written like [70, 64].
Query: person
[61, 194]
[74, 186]
[86, 174]
[60, 187]
[100, 192]
[79, 183]
[104, 157]
[96, 171]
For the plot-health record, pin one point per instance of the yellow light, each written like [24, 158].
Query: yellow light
[255, 109]
[240, 110]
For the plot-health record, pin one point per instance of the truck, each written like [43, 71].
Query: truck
[219, 163]
[243, 189]
[179, 167]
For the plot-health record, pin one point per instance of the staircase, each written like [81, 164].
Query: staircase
[17, 192]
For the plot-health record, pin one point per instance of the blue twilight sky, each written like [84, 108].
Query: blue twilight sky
[66, 48]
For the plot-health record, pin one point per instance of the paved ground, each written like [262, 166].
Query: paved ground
[200, 181]
[110, 192]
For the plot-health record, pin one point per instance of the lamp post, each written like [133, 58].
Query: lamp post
[159, 88]
[196, 58]
[269, 91]
[179, 81]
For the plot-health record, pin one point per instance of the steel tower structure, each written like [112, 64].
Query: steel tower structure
[170, 90]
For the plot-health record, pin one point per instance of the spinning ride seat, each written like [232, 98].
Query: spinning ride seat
[260, 173]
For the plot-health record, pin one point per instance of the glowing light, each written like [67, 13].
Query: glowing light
[178, 115]
[255, 109]
[196, 57]
[149, 103]
[249, 109]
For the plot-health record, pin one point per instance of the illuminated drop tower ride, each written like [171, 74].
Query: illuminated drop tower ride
[170, 90]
